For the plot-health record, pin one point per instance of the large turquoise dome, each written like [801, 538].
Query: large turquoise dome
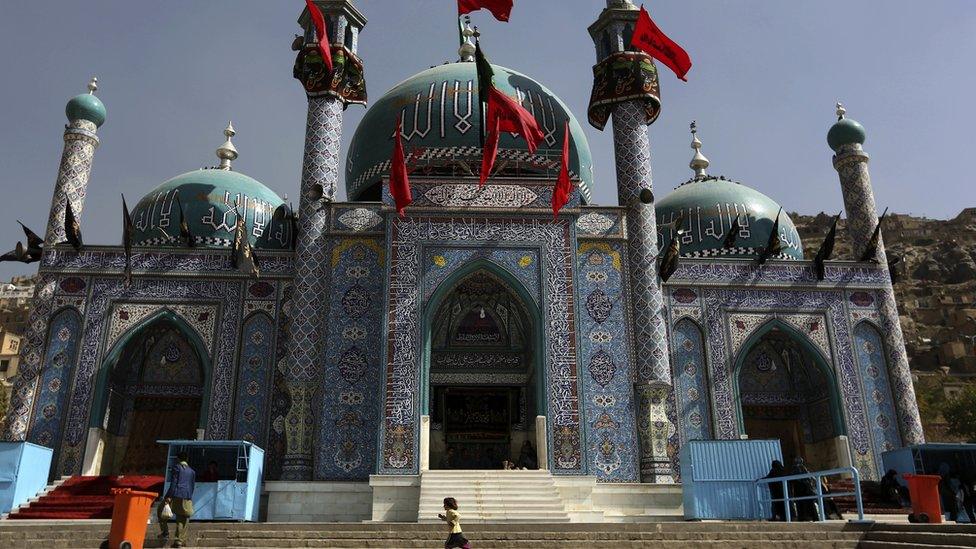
[710, 205]
[440, 114]
[208, 197]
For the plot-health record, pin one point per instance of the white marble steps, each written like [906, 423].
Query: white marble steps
[492, 496]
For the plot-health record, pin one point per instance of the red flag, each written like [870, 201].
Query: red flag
[560, 195]
[320, 33]
[399, 182]
[655, 43]
[506, 115]
[501, 9]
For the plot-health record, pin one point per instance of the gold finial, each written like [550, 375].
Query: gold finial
[227, 152]
[841, 111]
[698, 163]
[93, 85]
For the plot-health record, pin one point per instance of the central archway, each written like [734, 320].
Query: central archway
[153, 385]
[786, 391]
[482, 383]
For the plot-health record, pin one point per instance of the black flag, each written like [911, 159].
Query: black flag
[893, 262]
[773, 245]
[486, 79]
[871, 250]
[127, 241]
[242, 256]
[72, 229]
[19, 253]
[669, 263]
[826, 250]
[293, 219]
[732, 234]
[186, 237]
[34, 242]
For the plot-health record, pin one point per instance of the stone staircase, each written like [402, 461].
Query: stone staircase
[668, 535]
[492, 496]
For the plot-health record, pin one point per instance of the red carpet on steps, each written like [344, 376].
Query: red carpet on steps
[85, 497]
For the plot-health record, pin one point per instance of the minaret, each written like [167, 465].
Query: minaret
[632, 154]
[320, 178]
[851, 162]
[85, 114]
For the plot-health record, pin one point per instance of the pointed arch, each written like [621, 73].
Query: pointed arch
[821, 362]
[873, 372]
[255, 363]
[445, 288]
[691, 380]
[62, 345]
[165, 314]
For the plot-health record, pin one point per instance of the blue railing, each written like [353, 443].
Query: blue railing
[762, 491]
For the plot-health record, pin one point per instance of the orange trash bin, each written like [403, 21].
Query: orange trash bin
[924, 491]
[130, 516]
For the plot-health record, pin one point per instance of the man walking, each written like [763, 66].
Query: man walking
[179, 497]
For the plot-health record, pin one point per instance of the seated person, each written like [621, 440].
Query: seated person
[211, 474]
[528, 458]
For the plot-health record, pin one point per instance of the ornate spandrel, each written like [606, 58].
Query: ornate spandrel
[622, 77]
[346, 82]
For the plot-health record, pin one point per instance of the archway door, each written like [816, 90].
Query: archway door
[786, 391]
[153, 387]
[482, 391]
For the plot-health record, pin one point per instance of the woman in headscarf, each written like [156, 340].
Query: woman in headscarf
[776, 492]
[806, 509]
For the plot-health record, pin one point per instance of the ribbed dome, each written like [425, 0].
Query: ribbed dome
[208, 197]
[440, 118]
[710, 205]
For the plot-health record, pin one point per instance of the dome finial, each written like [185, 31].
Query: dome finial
[93, 85]
[698, 163]
[841, 111]
[466, 51]
[227, 152]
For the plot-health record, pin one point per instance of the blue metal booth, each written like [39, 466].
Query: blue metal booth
[718, 477]
[228, 477]
[24, 469]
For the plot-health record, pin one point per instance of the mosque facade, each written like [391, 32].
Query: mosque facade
[375, 345]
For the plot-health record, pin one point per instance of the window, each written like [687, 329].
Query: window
[14, 344]
[3, 365]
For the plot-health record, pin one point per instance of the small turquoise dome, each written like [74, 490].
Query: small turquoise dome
[439, 108]
[845, 132]
[710, 205]
[86, 107]
[208, 197]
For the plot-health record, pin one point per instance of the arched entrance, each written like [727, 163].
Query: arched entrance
[786, 391]
[481, 360]
[152, 387]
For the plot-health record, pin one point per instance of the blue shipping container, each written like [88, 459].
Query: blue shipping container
[717, 477]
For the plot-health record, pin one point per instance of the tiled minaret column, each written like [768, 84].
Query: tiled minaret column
[632, 154]
[320, 179]
[85, 114]
[846, 138]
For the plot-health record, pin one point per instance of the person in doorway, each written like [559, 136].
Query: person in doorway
[212, 474]
[179, 497]
[777, 470]
[451, 516]
[806, 509]
[528, 459]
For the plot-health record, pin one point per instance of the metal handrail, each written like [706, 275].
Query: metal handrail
[817, 476]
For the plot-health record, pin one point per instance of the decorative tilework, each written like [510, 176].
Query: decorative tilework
[608, 403]
[407, 239]
[60, 356]
[349, 416]
[320, 176]
[869, 348]
[851, 163]
[80, 143]
[31, 353]
[254, 370]
[126, 315]
[690, 374]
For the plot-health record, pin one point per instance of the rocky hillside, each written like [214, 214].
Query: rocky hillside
[935, 282]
